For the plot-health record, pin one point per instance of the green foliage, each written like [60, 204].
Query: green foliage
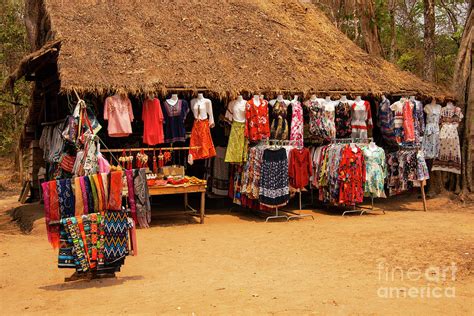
[13, 46]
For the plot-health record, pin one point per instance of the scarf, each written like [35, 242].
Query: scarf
[52, 230]
[102, 192]
[90, 198]
[131, 195]
[142, 198]
[99, 190]
[84, 195]
[78, 196]
[105, 182]
[65, 197]
[95, 199]
[53, 214]
[115, 193]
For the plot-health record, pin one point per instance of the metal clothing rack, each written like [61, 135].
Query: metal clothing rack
[118, 150]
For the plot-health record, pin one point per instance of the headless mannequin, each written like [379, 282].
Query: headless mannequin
[343, 99]
[237, 110]
[360, 104]
[328, 104]
[372, 146]
[279, 99]
[173, 100]
[240, 98]
[202, 109]
[383, 97]
[295, 99]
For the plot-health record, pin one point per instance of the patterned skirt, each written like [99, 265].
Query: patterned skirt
[237, 147]
[201, 137]
[274, 187]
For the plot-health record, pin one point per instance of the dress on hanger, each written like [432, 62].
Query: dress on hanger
[376, 171]
[329, 115]
[408, 122]
[431, 138]
[419, 121]
[274, 189]
[152, 117]
[257, 125]
[317, 130]
[351, 176]
[297, 124]
[397, 107]
[449, 156]
[385, 120]
[174, 117]
[118, 111]
[279, 126]
[343, 120]
[300, 168]
[201, 132]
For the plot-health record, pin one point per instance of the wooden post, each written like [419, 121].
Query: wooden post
[423, 194]
[185, 201]
[203, 206]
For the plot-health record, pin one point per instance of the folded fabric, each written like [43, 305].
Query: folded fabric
[90, 198]
[85, 201]
[98, 188]
[94, 194]
[78, 196]
[105, 182]
[102, 192]
[115, 192]
[66, 198]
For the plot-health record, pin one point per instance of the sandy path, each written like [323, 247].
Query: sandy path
[239, 265]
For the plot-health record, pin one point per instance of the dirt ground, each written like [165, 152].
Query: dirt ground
[237, 264]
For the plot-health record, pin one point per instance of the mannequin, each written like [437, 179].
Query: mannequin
[262, 96]
[353, 147]
[295, 99]
[236, 111]
[361, 118]
[384, 97]
[279, 128]
[359, 103]
[343, 117]
[343, 99]
[328, 99]
[200, 134]
[256, 100]
[173, 100]
[314, 97]
[450, 105]
[372, 146]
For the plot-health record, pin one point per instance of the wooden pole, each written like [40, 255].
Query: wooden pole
[423, 194]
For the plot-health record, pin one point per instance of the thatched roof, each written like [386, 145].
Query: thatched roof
[221, 46]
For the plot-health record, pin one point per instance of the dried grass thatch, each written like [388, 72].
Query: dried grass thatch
[225, 47]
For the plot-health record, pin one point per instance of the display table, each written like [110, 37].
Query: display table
[184, 189]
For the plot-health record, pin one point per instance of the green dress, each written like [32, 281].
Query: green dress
[376, 171]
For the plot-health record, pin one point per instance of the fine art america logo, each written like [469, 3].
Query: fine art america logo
[430, 282]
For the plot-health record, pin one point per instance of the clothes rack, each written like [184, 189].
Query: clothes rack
[117, 150]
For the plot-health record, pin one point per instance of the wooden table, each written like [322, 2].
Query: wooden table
[184, 189]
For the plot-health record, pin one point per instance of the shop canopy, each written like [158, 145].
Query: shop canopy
[224, 47]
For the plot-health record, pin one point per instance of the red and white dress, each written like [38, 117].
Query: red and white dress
[361, 119]
[297, 124]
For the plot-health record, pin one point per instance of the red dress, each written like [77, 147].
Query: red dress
[300, 169]
[257, 125]
[408, 123]
[152, 117]
[351, 176]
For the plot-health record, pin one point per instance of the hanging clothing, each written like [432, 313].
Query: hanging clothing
[317, 130]
[449, 155]
[201, 138]
[343, 118]
[431, 138]
[142, 197]
[118, 111]
[297, 124]
[274, 190]
[220, 173]
[376, 171]
[385, 120]
[329, 118]
[361, 119]
[352, 176]
[279, 126]
[408, 122]
[174, 117]
[152, 117]
[257, 125]
[397, 107]
[419, 121]
[237, 147]
[300, 168]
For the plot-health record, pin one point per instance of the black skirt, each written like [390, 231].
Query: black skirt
[274, 186]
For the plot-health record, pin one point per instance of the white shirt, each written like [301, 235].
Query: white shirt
[202, 110]
[236, 111]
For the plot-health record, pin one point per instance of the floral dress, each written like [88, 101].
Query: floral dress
[449, 156]
[328, 118]
[351, 176]
[431, 138]
[419, 121]
[279, 127]
[257, 124]
[385, 120]
[297, 124]
[376, 171]
[317, 130]
[343, 120]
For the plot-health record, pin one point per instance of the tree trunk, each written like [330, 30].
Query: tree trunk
[369, 28]
[463, 87]
[429, 41]
[393, 31]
